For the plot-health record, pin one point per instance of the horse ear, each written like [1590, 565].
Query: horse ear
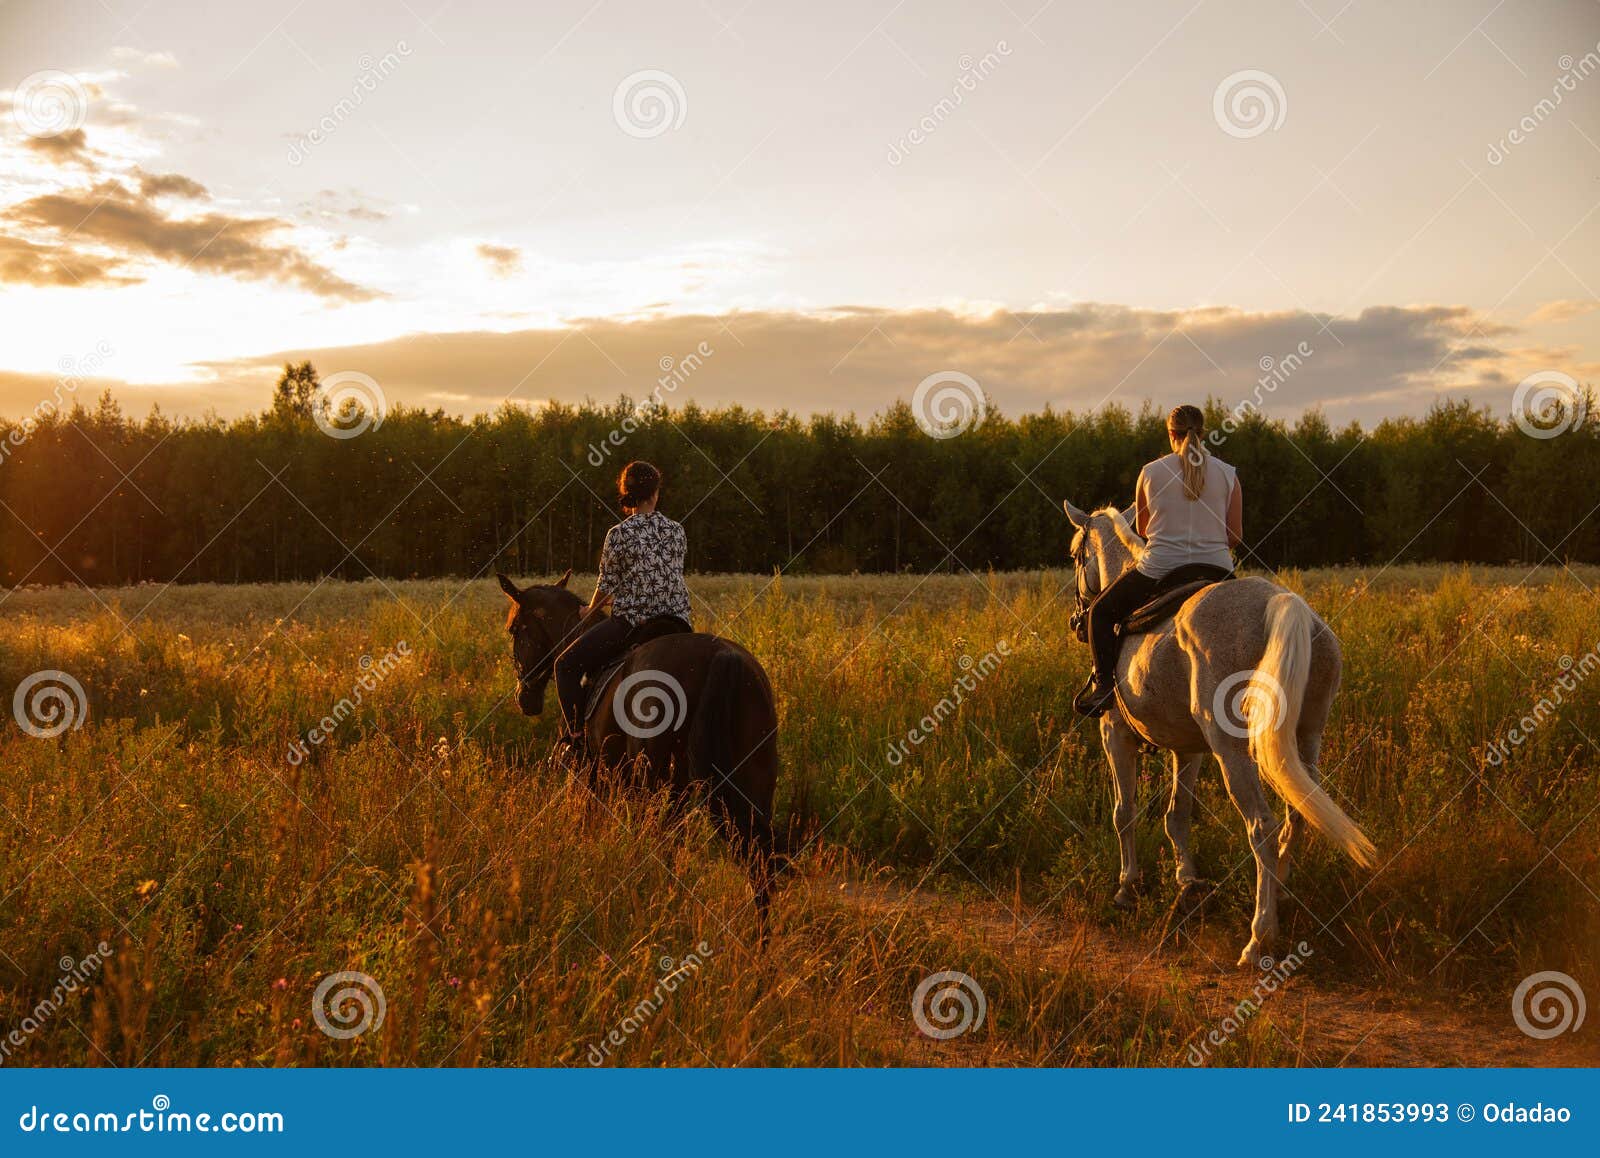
[1079, 518]
[508, 587]
[562, 582]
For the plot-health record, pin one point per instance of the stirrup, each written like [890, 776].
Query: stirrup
[1094, 699]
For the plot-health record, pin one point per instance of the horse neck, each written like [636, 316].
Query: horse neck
[1115, 558]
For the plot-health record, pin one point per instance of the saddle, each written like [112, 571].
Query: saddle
[651, 629]
[1165, 603]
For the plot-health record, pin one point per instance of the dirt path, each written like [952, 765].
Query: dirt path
[1337, 1025]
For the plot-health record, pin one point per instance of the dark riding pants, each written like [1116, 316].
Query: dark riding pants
[1129, 592]
[603, 643]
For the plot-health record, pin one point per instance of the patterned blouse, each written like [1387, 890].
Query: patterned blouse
[641, 568]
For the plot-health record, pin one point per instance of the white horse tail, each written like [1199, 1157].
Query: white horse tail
[1273, 714]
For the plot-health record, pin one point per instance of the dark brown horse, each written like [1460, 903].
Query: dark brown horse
[690, 710]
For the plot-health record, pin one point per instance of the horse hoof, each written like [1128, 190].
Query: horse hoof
[1126, 898]
[1193, 896]
[1255, 956]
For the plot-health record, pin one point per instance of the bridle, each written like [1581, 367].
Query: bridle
[1085, 597]
[543, 669]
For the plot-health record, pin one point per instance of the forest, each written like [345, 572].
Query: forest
[90, 495]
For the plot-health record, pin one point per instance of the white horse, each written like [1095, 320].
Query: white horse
[1246, 671]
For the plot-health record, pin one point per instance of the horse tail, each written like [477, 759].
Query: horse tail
[1273, 714]
[742, 781]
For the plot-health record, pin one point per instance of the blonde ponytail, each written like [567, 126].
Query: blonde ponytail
[1185, 425]
[1194, 466]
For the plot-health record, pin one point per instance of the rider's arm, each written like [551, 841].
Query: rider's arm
[1141, 514]
[1236, 516]
[605, 582]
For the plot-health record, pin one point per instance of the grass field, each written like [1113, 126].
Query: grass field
[229, 863]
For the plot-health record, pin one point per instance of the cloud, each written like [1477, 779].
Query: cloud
[503, 260]
[122, 54]
[110, 224]
[69, 148]
[1562, 311]
[23, 263]
[1384, 361]
[154, 185]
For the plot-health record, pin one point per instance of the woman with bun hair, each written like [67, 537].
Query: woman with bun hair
[1190, 511]
[641, 576]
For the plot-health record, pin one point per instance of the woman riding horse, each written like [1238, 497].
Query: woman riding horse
[1189, 510]
[641, 576]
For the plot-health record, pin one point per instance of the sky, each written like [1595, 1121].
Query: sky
[1355, 205]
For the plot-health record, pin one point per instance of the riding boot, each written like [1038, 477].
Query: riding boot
[1095, 697]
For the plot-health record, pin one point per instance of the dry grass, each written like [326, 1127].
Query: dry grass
[510, 919]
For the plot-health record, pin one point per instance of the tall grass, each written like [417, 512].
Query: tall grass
[510, 918]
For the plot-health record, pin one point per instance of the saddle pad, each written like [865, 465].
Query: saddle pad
[650, 629]
[1162, 608]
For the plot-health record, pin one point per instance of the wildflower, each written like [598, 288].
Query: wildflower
[146, 888]
[281, 983]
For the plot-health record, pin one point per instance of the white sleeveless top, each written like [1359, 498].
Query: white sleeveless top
[1181, 530]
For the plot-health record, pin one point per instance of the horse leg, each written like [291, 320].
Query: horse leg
[1122, 750]
[1185, 772]
[749, 832]
[1243, 781]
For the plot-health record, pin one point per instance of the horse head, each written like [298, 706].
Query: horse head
[1104, 547]
[542, 621]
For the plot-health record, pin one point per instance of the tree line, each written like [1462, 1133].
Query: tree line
[91, 495]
